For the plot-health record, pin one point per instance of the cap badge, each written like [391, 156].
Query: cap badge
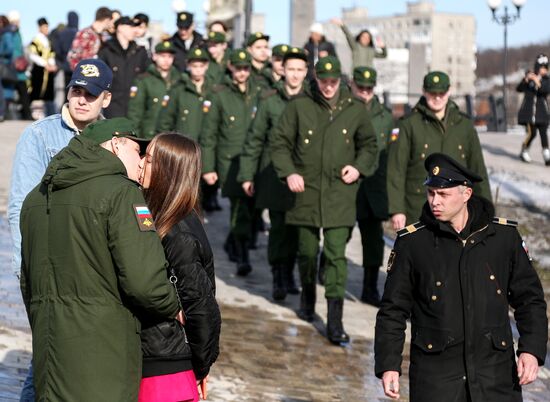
[436, 79]
[284, 48]
[328, 66]
[198, 52]
[258, 35]
[211, 34]
[166, 44]
[242, 55]
[366, 74]
[183, 17]
[435, 170]
[294, 50]
[89, 70]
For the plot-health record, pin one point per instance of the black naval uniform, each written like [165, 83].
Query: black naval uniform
[456, 288]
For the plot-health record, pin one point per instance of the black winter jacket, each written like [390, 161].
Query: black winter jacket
[180, 57]
[165, 347]
[126, 64]
[534, 108]
[456, 289]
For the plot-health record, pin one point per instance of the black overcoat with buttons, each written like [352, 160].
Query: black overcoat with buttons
[419, 135]
[456, 289]
[126, 64]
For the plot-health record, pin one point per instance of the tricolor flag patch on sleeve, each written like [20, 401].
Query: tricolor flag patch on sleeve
[144, 218]
[394, 134]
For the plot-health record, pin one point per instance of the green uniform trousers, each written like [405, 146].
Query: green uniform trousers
[283, 240]
[242, 217]
[372, 239]
[334, 249]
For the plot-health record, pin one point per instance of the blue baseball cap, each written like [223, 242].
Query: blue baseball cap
[93, 75]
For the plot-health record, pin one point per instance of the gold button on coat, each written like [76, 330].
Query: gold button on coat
[155, 100]
[306, 140]
[503, 343]
[438, 283]
[492, 277]
[232, 118]
[499, 291]
[434, 297]
[430, 346]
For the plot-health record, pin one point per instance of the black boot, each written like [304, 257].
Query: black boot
[279, 281]
[243, 264]
[291, 286]
[307, 302]
[370, 293]
[335, 328]
[230, 247]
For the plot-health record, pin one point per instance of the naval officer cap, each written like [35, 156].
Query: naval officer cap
[445, 172]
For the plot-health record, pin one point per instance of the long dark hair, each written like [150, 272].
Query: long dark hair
[173, 191]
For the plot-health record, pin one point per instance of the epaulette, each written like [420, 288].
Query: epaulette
[410, 229]
[267, 93]
[504, 221]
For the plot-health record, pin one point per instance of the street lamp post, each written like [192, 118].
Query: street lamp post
[505, 20]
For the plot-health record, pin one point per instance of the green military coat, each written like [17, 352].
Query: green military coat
[186, 108]
[255, 162]
[148, 95]
[317, 141]
[217, 71]
[372, 190]
[224, 131]
[87, 271]
[419, 135]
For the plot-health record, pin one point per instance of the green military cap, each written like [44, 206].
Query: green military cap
[437, 82]
[103, 130]
[165, 47]
[197, 54]
[216, 37]
[328, 67]
[364, 76]
[295, 53]
[240, 57]
[280, 50]
[254, 37]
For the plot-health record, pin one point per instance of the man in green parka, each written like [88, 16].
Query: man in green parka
[321, 145]
[259, 179]
[92, 262]
[150, 91]
[372, 197]
[216, 44]
[257, 44]
[222, 138]
[435, 125]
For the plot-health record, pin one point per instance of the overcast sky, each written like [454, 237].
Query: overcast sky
[532, 27]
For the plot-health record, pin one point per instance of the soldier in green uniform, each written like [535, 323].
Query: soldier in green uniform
[189, 103]
[222, 137]
[150, 92]
[372, 197]
[258, 176]
[435, 125]
[216, 43]
[276, 72]
[257, 44]
[321, 145]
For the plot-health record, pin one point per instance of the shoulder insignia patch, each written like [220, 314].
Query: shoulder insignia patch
[504, 221]
[410, 229]
[391, 258]
[394, 134]
[144, 218]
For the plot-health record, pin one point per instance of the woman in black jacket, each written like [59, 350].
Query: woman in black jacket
[534, 113]
[170, 175]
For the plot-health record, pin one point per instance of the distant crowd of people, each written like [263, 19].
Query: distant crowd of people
[107, 200]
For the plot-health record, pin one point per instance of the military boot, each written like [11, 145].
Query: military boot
[243, 264]
[546, 156]
[291, 286]
[230, 247]
[307, 302]
[335, 328]
[370, 293]
[279, 281]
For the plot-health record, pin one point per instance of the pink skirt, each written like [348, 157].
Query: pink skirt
[176, 387]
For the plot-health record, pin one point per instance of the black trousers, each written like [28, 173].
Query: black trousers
[531, 133]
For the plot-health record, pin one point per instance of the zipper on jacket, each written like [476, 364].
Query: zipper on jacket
[477, 231]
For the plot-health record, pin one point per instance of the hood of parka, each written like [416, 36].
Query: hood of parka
[452, 111]
[81, 160]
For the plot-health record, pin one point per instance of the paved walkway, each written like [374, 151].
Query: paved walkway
[267, 354]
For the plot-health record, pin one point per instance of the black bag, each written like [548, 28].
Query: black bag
[8, 73]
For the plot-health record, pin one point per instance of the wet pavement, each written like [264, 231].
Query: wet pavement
[267, 353]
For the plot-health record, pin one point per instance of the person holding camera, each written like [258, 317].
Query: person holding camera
[534, 113]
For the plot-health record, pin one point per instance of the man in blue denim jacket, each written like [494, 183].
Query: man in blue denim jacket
[89, 93]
